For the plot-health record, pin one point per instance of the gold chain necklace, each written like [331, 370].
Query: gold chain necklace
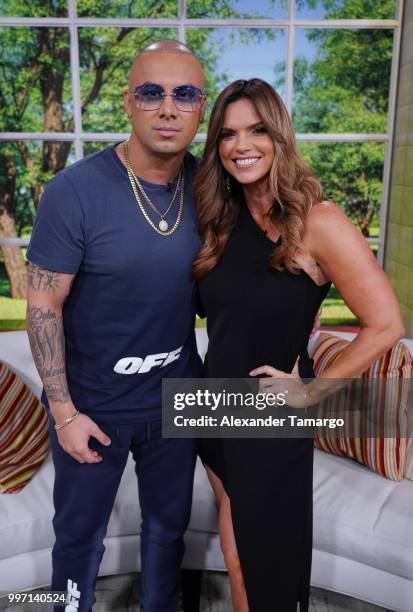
[151, 204]
[162, 228]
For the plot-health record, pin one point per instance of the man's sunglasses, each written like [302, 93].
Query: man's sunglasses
[150, 96]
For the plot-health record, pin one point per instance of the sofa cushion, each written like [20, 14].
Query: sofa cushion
[361, 516]
[357, 514]
[26, 519]
[24, 439]
[388, 403]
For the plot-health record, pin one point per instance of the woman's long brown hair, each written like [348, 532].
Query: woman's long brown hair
[294, 186]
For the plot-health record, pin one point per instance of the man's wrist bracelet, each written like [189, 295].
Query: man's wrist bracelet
[69, 420]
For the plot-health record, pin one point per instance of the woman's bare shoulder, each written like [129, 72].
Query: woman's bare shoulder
[326, 219]
[320, 221]
[325, 212]
[331, 238]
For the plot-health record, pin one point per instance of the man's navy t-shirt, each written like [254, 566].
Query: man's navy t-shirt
[129, 317]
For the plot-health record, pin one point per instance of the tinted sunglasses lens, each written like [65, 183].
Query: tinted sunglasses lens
[187, 98]
[149, 96]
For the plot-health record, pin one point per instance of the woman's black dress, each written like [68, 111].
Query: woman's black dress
[259, 316]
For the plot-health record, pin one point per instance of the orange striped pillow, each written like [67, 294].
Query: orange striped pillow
[383, 455]
[24, 438]
[408, 465]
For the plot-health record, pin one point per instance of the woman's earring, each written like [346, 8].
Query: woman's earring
[228, 184]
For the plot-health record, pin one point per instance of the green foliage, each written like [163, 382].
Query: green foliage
[34, 8]
[105, 57]
[13, 311]
[352, 9]
[138, 9]
[36, 91]
[346, 89]
[351, 175]
[24, 209]
[219, 9]
[197, 149]
[25, 68]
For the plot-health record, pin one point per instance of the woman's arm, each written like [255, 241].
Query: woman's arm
[345, 258]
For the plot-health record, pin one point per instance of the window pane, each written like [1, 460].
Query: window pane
[346, 9]
[138, 9]
[351, 175]
[237, 9]
[106, 55]
[25, 167]
[33, 8]
[228, 54]
[36, 93]
[342, 80]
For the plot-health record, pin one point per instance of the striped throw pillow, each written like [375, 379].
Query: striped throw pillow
[24, 438]
[408, 466]
[384, 455]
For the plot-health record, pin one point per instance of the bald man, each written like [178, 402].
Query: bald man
[110, 313]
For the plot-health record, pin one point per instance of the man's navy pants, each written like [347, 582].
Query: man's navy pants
[84, 494]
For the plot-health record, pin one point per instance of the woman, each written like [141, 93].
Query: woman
[272, 247]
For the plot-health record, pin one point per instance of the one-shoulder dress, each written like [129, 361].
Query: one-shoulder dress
[257, 316]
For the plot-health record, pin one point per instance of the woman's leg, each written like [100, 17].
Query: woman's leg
[228, 544]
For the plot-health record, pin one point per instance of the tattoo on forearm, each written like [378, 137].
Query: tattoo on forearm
[40, 279]
[46, 336]
[57, 390]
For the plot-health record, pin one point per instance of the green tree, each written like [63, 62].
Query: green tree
[36, 93]
[33, 63]
[345, 89]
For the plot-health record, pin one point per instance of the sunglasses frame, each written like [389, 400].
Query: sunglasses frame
[200, 92]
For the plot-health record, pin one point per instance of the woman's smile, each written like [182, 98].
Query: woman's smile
[246, 162]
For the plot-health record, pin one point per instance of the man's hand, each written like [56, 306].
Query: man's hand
[47, 291]
[74, 439]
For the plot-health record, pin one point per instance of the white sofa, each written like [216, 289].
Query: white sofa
[363, 523]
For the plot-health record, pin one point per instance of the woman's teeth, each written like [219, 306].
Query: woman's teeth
[248, 161]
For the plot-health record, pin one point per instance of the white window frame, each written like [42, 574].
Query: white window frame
[290, 24]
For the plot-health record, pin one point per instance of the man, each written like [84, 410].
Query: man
[110, 313]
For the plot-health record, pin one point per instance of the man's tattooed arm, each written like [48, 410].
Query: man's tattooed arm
[45, 330]
[46, 293]
[41, 280]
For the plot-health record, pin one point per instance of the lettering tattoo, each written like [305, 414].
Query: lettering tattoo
[46, 337]
[40, 279]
